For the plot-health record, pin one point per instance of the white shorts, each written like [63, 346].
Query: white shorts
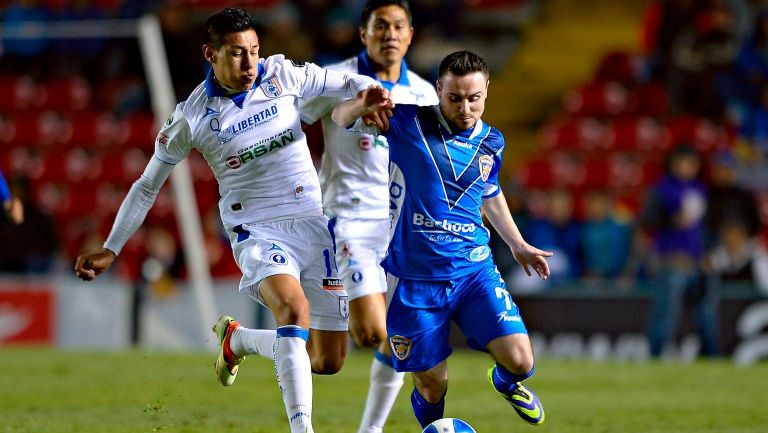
[302, 248]
[361, 245]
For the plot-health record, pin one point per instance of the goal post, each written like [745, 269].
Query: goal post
[148, 32]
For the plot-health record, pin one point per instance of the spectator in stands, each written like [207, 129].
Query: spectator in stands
[674, 217]
[727, 200]
[700, 55]
[12, 206]
[742, 87]
[34, 241]
[553, 226]
[603, 231]
[739, 258]
[663, 22]
[340, 40]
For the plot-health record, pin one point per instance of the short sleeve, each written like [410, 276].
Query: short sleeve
[491, 187]
[314, 109]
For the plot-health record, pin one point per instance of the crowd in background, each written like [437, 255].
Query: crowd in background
[701, 216]
[700, 219]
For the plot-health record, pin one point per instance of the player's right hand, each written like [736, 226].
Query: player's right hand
[88, 266]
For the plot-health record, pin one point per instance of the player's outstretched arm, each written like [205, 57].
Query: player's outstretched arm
[129, 218]
[528, 256]
[374, 99]
[88, 266]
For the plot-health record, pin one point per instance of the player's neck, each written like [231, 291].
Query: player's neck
[388, 73]
[227, 90]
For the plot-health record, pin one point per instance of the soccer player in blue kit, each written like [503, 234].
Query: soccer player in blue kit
[354, 178]
[444, 165]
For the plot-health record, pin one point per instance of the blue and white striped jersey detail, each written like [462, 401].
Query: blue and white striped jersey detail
[438, 179]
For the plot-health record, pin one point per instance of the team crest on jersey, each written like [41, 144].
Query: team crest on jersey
[271, 87]
[401, 346]
[486, 164]
[344, 306]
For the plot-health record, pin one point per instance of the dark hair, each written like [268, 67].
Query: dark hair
[230, 20]
[462, 63]
[372, 5]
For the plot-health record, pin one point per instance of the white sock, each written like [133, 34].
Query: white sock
[245, 341]
[385, 383]
[294, 376]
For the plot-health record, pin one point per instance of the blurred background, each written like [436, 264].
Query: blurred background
[637, 135]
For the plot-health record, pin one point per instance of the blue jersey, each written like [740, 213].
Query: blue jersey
[5, 192]
[438, 179]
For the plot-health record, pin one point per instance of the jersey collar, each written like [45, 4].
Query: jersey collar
[364, 68]
[212, 88]
[448, 131]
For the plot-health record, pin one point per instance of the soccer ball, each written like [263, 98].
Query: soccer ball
[449, 425]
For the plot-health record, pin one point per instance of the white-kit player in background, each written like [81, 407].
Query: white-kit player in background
[354, 176]
[244, 120]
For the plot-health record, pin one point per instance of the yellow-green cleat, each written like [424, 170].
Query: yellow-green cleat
[227, 362]
[523, 401]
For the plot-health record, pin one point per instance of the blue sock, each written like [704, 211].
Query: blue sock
[425, 411]
[505, 381]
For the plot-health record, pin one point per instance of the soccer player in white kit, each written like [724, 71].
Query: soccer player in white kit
[244, 120]
[354, 176]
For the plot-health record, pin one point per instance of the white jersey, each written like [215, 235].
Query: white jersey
[253, 140]
[354, 171]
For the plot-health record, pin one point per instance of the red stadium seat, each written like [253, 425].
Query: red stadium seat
[574, 133]
[603, 99]
[698, 132]
[635, 133]
[97, 130]
[138, 130]
[651, 99]
[18, 93]
[66, 94]
[620, 66]
[559, 169]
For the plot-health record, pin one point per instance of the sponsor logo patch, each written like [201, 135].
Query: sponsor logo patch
[333, 284]
[162, 139]
[401, 346]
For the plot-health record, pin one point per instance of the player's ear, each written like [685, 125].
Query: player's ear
[209, 53]
[363, 37]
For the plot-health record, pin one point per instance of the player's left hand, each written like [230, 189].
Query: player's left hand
[378, 119]
[531, 257]
[376, 99]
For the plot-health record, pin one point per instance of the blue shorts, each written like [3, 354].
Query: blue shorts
[420, 314]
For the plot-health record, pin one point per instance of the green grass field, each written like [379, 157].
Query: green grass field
[45, 390]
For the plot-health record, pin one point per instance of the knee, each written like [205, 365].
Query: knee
[519, 360]
[293, 312]
[432, 392]
[368, 336]
[327, 365]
